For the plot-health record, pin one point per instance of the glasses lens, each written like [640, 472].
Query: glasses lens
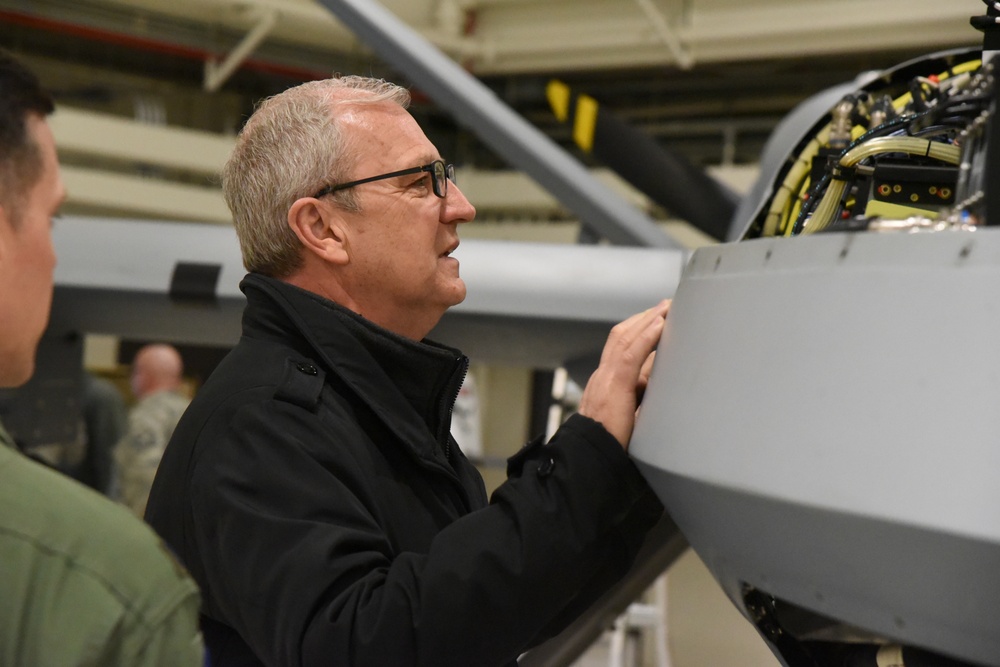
[440, 178]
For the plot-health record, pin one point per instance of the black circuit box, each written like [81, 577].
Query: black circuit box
[914, 184]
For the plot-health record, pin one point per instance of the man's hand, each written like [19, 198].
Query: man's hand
[613, 392]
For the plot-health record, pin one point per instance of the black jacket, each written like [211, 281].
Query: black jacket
[315, 493]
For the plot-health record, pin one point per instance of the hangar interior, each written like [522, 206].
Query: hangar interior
[150, 94]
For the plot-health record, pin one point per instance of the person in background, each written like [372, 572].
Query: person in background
[313, 487]
[104, 420]
[82, 581]
[157, 383]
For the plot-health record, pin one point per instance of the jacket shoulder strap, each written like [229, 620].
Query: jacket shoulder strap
[301, 384]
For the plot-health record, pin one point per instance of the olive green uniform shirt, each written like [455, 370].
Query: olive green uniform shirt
[82, 581]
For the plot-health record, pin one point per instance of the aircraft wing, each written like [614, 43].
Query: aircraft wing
[538, 305]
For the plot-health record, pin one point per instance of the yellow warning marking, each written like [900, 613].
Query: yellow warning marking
[586, 121]
[558, 94]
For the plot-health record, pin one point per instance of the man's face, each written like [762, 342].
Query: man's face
[400, 270]
[27, 261]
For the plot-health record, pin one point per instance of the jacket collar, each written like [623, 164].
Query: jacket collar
[385, 369]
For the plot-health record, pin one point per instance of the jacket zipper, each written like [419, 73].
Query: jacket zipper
[447, 407]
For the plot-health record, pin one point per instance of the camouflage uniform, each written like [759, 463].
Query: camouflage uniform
[150, 425]
[82, 582]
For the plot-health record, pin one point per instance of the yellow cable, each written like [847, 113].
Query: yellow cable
[827, 208]
[792, 183]
[910, 145]
[900, 102]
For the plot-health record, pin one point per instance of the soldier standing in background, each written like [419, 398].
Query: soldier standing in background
[156, 381]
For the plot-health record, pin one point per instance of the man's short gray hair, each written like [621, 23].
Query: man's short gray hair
[291, 147]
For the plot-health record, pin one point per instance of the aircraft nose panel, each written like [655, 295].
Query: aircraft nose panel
[822, 425]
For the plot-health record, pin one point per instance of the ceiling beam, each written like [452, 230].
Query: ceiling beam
[217, 73]
[507, 37]
[667, 33]
[113, 137]
[518, 38]
[131, 195]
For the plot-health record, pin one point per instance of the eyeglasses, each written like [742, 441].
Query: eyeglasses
[440, 173]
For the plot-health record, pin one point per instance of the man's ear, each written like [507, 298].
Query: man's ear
[320, 229]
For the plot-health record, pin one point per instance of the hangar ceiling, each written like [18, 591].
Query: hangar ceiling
[151, 91]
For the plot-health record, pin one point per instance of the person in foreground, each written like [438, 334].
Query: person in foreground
[313, 488]
[82, 581]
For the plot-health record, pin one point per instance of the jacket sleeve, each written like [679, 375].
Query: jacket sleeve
[623, 541]
[299, 566]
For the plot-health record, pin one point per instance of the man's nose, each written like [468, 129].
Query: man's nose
[456, 207]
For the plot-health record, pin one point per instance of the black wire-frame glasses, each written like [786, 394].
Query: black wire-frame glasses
[440, 173]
